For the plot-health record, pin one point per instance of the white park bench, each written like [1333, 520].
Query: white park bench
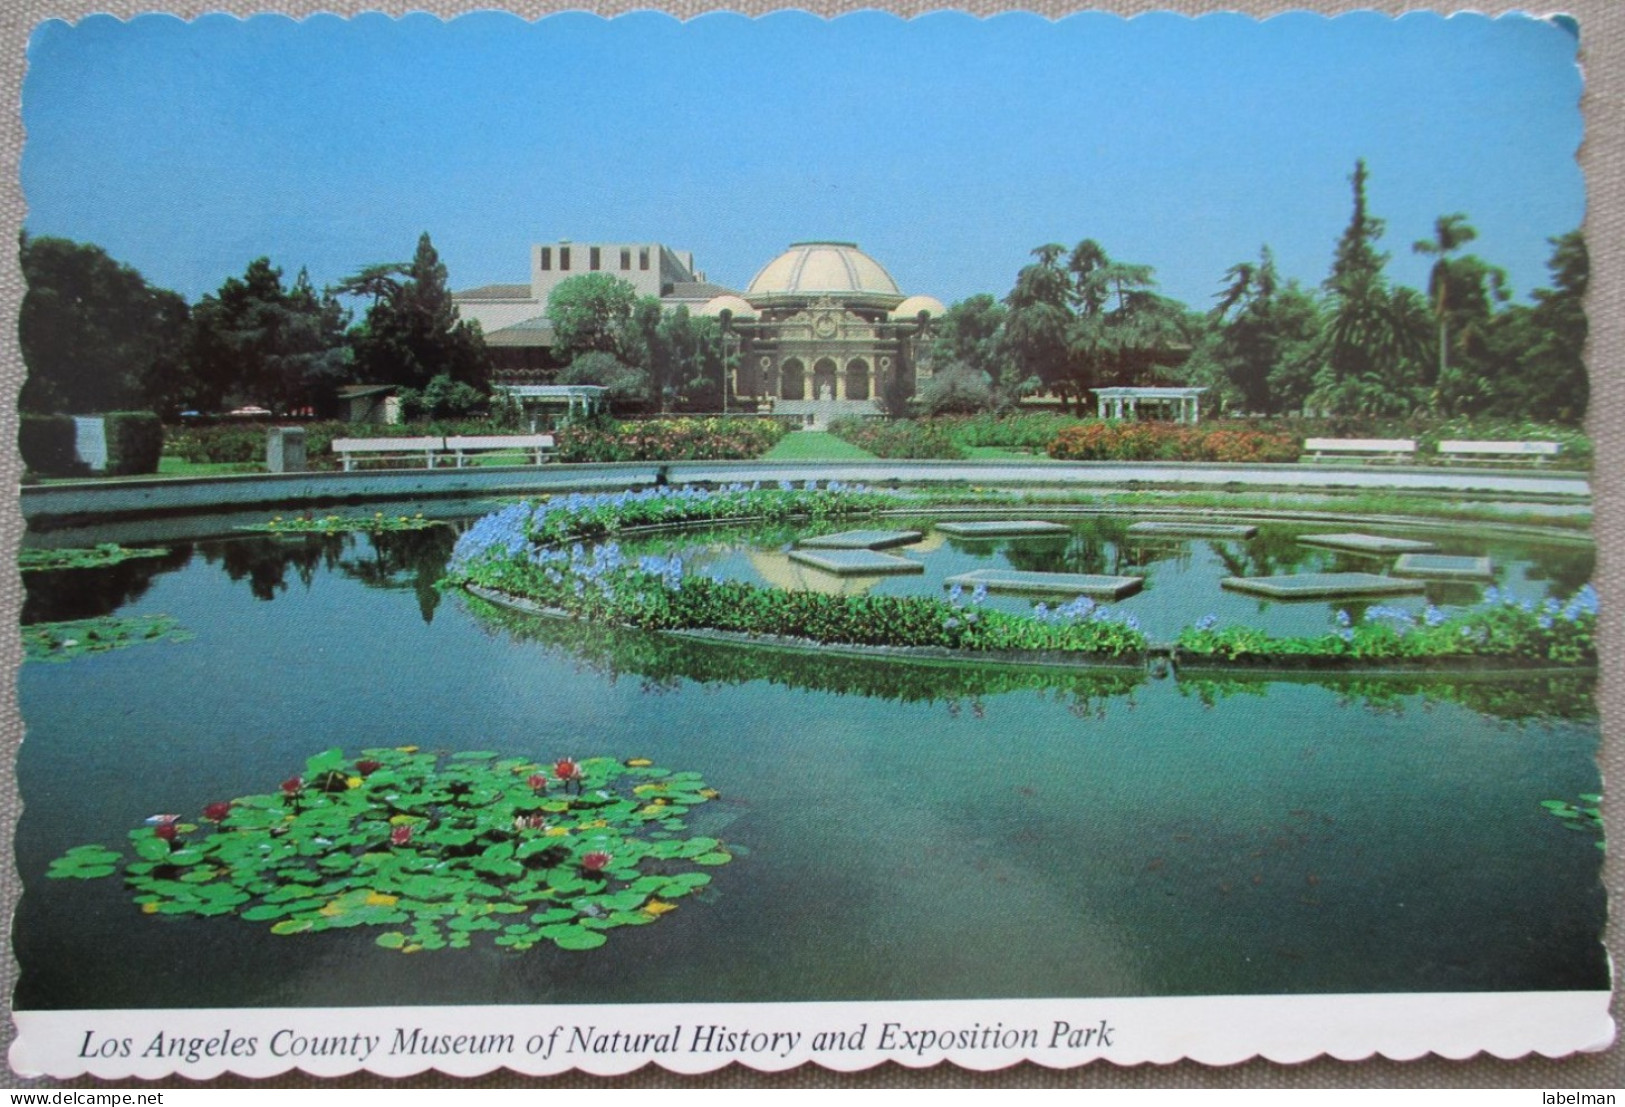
[351, 450]
[539, 446]
[1537, 453]
[1390, 449]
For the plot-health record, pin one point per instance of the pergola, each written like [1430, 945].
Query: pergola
[560, 401]
[1124, 403]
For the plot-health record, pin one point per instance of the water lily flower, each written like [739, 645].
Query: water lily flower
[537, 782]
[367, 766]
[400, 836]
[293, 786]
[596, 861]
[217, 812]
[568, 771]
[162, 820]
[165, 831]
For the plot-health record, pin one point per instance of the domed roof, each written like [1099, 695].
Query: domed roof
[911, 308]
[817, 268]
[714, 308]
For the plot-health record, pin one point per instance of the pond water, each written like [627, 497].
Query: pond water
[900, 830]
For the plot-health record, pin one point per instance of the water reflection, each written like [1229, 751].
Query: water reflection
[58, 595]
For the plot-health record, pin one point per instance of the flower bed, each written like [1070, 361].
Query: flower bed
[669, 440]
[1111, 441]
[519, 551]
[1501, 628]
[433, 847]
[905, 438]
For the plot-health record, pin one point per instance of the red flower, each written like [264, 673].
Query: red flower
[567, 769]
[165, 831]
[400, 836]
[292, 786]
[368, 767]
[538, 782]
[217, 812]
[596, 861]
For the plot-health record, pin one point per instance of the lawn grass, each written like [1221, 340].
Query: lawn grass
[806, 445]
[180, 467]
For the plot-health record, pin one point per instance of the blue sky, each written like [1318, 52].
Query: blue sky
[945, 146]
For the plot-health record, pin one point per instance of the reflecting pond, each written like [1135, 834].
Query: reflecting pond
[900, 830]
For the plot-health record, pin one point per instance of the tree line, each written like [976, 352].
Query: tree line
[97, 337]
[1358, 345]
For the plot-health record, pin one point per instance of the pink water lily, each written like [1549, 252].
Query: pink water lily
[596, 861]
[400, 836]
[217, 812]
[165, 831]
[537, 782]
[293, 786]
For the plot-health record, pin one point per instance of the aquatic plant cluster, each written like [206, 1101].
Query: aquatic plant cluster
[1500, 626]
[376, 523]
[96, 557]
[512, 552]
[1585, 816]
[435, 848]
[65, 641]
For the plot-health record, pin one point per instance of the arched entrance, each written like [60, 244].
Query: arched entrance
[857, 379]
[792, 381]
[824, 379]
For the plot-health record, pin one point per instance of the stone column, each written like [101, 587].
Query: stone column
[285, 450]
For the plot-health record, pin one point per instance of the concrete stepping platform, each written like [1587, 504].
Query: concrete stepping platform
[861, 540]
[1049, 584]
[1003, 528]
[1444, 567]
[855, 563]
[1322, 586]
[1194, 530]
[1367, 543]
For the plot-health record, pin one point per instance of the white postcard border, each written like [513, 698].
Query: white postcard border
[980, 1035]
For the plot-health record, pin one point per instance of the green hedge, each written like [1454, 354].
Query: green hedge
[46, 443]
[135, 440]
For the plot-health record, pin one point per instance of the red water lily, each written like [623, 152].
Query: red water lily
[368, 767]
[165, 831]
[217, 812]
[537, 782]
[400, 836]
[293, 786]
[596, 861]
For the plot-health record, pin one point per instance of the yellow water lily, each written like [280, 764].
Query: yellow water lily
[658, 907]
[710, 793]
[555, 832]
[149, 908]
[352, 781]
[639, 763]
[379, 899]
[406, 749]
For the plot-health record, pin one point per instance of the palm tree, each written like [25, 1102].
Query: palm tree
[1450, 233]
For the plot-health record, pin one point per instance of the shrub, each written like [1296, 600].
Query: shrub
[47, 445]
[926, 438]
[135, 440]
[713, 439]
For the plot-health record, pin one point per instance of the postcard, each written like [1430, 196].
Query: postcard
[586, 542]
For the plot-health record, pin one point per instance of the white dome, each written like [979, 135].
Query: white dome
[911, 308]
[813, 268]
[740, 308]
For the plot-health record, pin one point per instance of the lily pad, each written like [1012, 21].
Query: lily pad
[435, 850]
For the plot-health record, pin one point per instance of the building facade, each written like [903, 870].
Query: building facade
[821, 331]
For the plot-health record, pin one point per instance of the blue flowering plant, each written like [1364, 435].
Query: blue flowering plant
[1553, 631]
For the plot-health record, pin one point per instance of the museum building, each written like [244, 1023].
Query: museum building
[822, 330]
